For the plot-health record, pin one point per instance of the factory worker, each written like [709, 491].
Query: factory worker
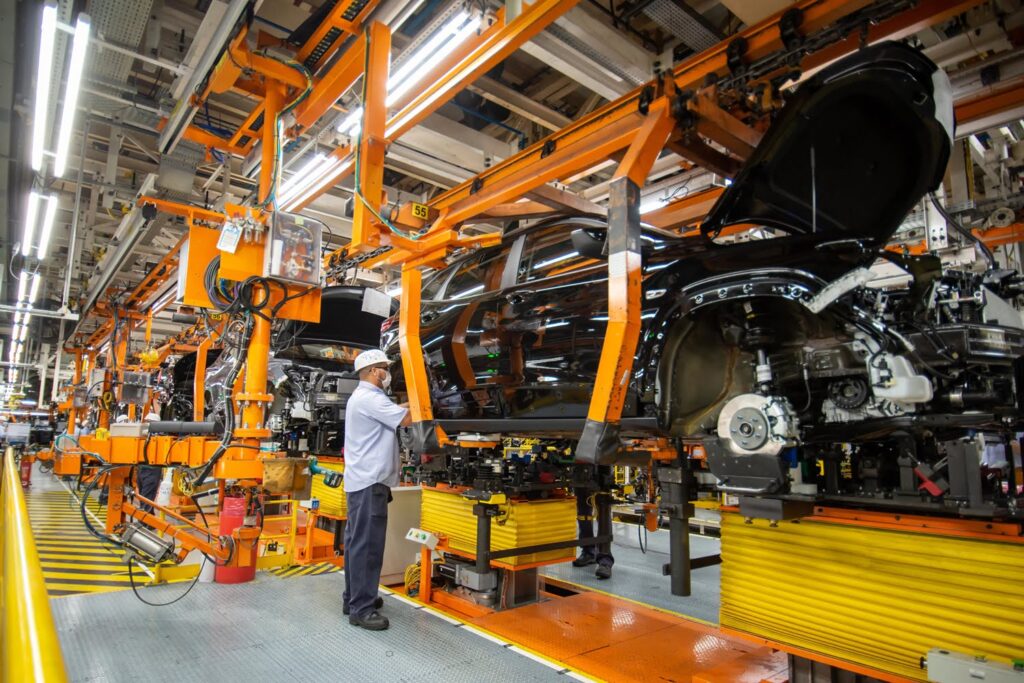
[371, 468]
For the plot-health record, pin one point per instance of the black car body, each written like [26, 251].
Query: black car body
[775, 335]
[310, 374]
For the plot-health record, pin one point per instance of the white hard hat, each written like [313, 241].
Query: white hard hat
[121, 419]
[371, 357]
[152, 417]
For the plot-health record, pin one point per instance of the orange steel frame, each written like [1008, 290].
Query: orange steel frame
[240, 460]
[585, 143]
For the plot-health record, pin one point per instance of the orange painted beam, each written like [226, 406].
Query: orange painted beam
[330, 86]
[990, 105]
[372, 145]
[993, 237]
[924, 14]
[194, 133]
[683, 212]
[342, 18]
[497, 45]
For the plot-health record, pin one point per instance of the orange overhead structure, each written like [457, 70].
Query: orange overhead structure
[600, 438]
[993, 237]
[993, 107]
[370, 179]
[685, 211]
[640, 124]
[346, 17]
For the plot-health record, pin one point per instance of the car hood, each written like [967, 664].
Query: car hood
[345, 319]
[850, 154]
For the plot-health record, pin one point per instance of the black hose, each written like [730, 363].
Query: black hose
[131, 580]
[964, 232]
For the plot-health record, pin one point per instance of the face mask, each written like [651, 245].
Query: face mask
[386, 382]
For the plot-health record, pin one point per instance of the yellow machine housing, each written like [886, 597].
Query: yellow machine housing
[878, 598]
[522, 523]
[332, 501]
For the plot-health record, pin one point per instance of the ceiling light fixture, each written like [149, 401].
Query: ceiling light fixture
[444, 41]
[48, 218]
[302, 177]
[36, 280]
[31, 214]
[22, 286]
[67, 119]
[325, 174]
[47, 38]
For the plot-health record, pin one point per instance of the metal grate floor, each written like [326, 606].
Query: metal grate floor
[271, 630]
[637, 576]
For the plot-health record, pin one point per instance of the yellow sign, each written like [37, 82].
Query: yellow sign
[421, 211]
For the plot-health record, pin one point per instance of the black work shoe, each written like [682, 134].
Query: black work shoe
[377, 604]
[603, 572]
[374, 621]
[584, 561]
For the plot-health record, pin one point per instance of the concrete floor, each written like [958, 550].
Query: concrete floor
[275, 630]
[637, 575]
[271, 629]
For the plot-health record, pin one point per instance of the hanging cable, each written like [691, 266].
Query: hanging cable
[272, 194]
[357, 187]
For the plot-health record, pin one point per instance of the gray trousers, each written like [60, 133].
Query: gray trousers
[365, 532]
[585, 521]
[148, 480]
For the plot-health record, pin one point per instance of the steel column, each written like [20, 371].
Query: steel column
[600, 439]
[370, 177]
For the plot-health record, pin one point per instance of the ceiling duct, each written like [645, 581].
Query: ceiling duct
[684, 23]
[122, 23]
[632, 74]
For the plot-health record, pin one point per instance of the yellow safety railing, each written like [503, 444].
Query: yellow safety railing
[29, 649]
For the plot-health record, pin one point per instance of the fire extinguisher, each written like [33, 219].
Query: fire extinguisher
[26, 470]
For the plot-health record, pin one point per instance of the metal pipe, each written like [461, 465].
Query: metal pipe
[182, 114]
[28, 636]
[120, 100]
[56, 363]
[483, 539]
[74, 220]
[38, 312]
[114, 47]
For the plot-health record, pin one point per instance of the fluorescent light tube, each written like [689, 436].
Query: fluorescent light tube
[425, 61]
[48, 34]
[36, 279]
[48, 218]
[67, 119]
[31, 216]
[325, 175]
[309, 173]
[22, 286]
[444, 41]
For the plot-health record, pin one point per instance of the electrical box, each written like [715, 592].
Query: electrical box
[135, 387]
[80, 397]
[95, 386]
[422, 537]
[293, 249]
[18, 433]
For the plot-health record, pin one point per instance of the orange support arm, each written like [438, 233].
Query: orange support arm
[423, 429]
[600, 439]
[188, 541]
[370, 181]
